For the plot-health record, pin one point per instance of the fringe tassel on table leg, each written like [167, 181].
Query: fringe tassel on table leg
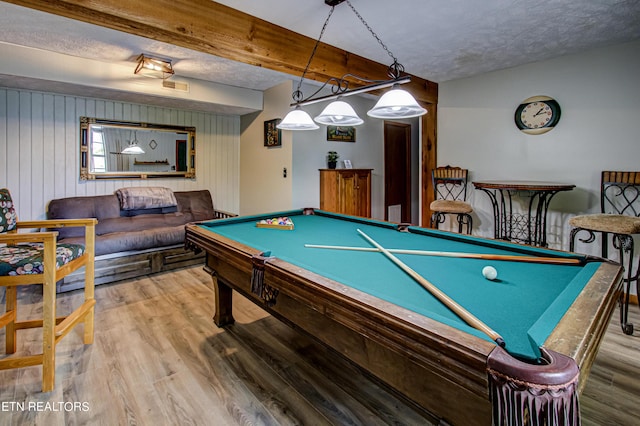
[258, 286]
[516, 404]
[257, 280]
[534, 395]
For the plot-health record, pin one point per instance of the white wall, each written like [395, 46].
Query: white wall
[263, 187]
[597, 90]
[310, 150]
[599, 94]
[39, 148]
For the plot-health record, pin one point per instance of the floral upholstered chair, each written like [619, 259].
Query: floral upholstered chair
[35, 258]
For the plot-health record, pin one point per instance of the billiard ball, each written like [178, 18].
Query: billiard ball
[490, 273]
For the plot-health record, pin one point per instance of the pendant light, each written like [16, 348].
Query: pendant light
[396, 103]
[133, 147]
[297, 120]
[339, 113]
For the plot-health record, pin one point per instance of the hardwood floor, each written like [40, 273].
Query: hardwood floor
[159, 359]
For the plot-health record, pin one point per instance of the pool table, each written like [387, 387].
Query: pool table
[360, 303]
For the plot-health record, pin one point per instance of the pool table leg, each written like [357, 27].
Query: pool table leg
[222, 301]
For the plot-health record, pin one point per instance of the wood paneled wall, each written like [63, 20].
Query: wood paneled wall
[39, 149]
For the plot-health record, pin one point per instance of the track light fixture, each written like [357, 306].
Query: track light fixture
[396, 103]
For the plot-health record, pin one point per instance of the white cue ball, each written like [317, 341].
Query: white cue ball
[490, 273]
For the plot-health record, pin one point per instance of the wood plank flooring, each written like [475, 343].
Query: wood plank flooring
[158, 359]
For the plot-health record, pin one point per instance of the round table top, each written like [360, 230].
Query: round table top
[523, 185]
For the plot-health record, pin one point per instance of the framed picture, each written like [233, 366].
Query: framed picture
[341, 133]
[272, 135]
[347, 164]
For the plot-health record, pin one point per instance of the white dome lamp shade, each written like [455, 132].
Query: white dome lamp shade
[396, 103]
[133, 147]
[339, 113]
[297, 120]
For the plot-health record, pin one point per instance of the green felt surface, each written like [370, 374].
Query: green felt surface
[523, 304]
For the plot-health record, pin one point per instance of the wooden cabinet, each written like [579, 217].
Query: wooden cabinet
[346, 191]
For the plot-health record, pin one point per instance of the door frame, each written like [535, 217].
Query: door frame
[428, 160]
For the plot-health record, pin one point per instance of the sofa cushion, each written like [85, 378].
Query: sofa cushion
[99, 206]
[142, 222]
[117, 242]
[198, 203]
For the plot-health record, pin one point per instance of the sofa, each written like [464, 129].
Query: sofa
[140, 230]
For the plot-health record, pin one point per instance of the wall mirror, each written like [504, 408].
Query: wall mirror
[128, 150]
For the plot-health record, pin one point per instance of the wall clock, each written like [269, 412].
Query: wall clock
[537, 115]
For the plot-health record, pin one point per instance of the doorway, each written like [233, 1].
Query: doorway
[397, 172]
[181, 156]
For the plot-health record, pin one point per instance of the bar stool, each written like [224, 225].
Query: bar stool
[450, 197]
[620, 208]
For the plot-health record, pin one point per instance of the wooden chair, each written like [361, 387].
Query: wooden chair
[619, 211]
[28, 258]
[450, 197]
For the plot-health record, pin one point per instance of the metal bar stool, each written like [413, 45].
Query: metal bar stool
[450, 197]
[620, 208]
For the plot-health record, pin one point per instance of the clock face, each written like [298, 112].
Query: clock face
[537, 115]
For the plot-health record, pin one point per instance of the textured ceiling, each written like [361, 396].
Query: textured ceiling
[436, 40]
[445, 40]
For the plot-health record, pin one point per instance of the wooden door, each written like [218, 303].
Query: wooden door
[181, 156]
[397, 169]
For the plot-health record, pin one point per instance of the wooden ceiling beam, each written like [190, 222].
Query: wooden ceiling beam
[213, 28]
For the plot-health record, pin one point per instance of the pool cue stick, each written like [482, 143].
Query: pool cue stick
[462, 255]
[467, 316]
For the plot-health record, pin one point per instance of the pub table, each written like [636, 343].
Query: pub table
[530, 227]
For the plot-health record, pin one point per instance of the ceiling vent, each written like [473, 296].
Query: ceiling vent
[175, 85]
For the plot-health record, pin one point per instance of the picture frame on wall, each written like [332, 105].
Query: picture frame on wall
[272, 135]
[341, 133]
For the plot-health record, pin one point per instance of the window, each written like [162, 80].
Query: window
[98, 154]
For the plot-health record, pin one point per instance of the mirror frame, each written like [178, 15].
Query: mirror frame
[85, 152]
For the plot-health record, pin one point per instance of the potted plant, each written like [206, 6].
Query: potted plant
[332, 159]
